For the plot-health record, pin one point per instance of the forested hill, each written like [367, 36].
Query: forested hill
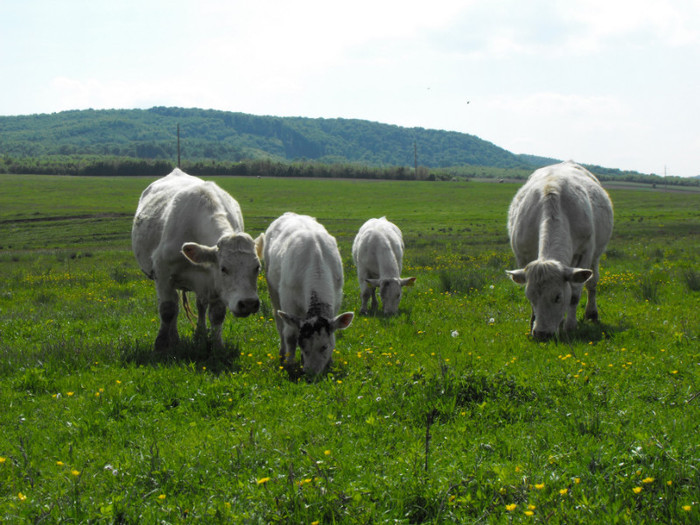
[226, 136]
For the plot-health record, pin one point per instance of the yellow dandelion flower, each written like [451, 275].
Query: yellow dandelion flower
[327, 452]
[577, 480]
[21, 496]
[511, 507]
[69, 394]
[261, 481]
[563, 492]
[2, 460]
[684, 507]
[637, 490]
[59, 463]
[648, 480]
[75, 473]
[528, 513]
[539, 486]
[161, 497]
[531, 507]
[669, 483]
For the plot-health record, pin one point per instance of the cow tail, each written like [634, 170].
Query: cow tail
[187, 308]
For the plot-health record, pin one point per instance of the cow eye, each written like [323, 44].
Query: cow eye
[224, 270]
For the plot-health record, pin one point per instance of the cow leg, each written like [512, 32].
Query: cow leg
[217, 314]
[167, 335]
[201, 330]
[366, 291]
[591, 305]
[288, 349]
[570, 323]
[375, 304]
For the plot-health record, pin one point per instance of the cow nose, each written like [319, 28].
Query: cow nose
[245, 307]
[540, 335]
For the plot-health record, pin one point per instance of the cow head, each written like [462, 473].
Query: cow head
[548, 288]
[390, 292]
[317, 338]
[235, 266]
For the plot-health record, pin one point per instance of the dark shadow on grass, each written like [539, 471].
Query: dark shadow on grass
[586, 332]
[190, 350]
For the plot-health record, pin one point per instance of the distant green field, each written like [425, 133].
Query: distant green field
[446, 413]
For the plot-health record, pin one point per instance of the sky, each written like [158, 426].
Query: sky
[614, 83]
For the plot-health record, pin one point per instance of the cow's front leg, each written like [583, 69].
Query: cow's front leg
[167, 335]
[201, 329]
[217, 314]
[591, 305]
[570, 323]
[367, 292]
[288, 348]
[375, 304]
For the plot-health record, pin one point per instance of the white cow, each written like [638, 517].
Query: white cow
[378, 254]
[188, 235]
[305, 279]
[559, 224]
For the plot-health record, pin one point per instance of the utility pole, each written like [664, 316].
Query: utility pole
[178, 145]
[415, 158]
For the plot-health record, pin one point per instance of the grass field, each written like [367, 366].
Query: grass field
[446, 413]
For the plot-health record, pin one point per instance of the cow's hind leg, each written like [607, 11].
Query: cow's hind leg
[217, 314]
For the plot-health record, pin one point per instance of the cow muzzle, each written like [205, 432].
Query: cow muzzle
[245, 307]
[540, 335]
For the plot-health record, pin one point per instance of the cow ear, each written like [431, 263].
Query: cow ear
[408, 281]
[578, 275]
[259, 245]
[342, 321]
[518, 276]
[200, 254]
[374, 283]
[291, 320]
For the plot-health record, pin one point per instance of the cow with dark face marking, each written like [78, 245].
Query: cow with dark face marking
[188, 235]
[304, 275]
[559, 223]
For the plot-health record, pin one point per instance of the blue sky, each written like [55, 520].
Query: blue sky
[608, 82]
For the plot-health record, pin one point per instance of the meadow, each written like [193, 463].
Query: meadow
[445, 413]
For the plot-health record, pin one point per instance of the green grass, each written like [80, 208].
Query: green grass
[446, 413]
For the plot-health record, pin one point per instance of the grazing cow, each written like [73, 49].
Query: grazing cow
[378, 254]
[305, 279]
[188, 235]
[559, 224]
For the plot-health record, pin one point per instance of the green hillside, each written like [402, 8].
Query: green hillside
[144, 142]
[227, 136]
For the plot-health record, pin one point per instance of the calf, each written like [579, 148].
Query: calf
[188, 235]
[305, 279]
[559, 223]
[378, 254]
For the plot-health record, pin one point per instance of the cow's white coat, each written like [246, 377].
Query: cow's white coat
[559, 223]
[188, 235]
[304, 274]
[378, 255]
